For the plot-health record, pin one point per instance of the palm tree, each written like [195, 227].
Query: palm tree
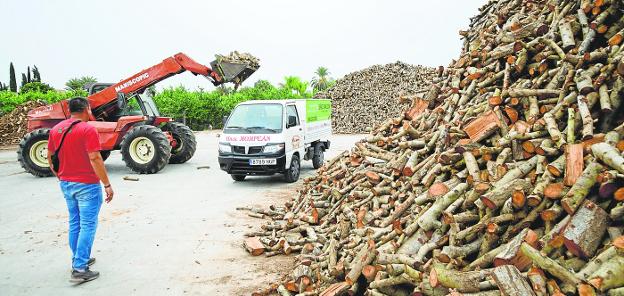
[322, 80]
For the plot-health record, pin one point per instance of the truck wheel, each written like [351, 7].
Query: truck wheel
[145, 149]
[292, 174]
[32, 153]
[105, 154]
[319, 156]
[238, 177]
[186, 142]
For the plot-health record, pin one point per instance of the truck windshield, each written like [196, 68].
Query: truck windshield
[255, 119]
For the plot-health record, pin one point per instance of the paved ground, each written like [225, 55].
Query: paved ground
[173, 233]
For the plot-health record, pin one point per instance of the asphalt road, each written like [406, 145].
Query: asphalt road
[173, 233]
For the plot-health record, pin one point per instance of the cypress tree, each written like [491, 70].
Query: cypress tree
[36, 74]
[12, 80]
[24, 80]
[28, 74]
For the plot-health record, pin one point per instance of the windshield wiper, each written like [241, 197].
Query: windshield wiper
[263, 127]
[238, 127]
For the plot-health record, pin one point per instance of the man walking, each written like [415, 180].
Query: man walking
[80, 170]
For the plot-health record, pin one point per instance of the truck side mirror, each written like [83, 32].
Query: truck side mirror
[121, 101]
[225, 118]
[292, 121]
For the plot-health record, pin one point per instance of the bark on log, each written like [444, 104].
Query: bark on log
[551, 266]
[609, 274]
[580, 189]
[609, 155]
[429, 220]
[584, 233]
[511, 282]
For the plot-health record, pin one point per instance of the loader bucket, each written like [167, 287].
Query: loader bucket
[235, 72]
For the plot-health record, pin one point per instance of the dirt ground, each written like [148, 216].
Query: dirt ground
[173, 233]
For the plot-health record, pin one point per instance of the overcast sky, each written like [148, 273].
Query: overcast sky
[114, 39]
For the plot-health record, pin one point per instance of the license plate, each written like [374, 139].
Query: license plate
[265, 161]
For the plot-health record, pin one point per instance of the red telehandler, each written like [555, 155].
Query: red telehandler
[127, 118]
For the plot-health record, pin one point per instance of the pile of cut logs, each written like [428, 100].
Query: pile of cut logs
[505, 178]
[13, 125]
[366, 97]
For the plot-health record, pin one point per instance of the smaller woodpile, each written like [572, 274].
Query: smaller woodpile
[505, 178]
[364, 98]
[13, 125]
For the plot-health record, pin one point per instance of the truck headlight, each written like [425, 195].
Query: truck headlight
[225, 148]
[273, 148]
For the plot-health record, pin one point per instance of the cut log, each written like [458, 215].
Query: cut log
[335, 289]
[584, 233]
[575, 197]
[550, 266]
[538, 281]
[429, 220]
[253, 246]
[609, 155]
[555, 190]
[462, 281]
[497, 197]
[364, 257]
[574, 163]
[511, 254]
[609, 275]
[593, 265]
[482, 127]
[511, 282]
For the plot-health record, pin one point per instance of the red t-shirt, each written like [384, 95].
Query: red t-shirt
[74, 155]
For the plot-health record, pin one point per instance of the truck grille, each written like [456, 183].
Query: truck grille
[252, 149]
[255, 149]
[238, 149]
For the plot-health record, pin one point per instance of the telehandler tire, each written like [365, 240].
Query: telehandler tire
[145, 149]
[186, 142]
[33, 152]
[319, 156]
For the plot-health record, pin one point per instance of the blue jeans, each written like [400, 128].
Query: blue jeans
[83, 202]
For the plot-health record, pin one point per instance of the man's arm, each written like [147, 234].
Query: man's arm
[100, 170]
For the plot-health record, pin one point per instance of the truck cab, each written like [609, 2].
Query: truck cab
[266, 137]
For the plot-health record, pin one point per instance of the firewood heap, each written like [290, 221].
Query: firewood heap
[14, 125]
[366, 97]
[506, 178]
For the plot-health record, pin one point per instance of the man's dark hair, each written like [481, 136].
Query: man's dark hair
[78, 104]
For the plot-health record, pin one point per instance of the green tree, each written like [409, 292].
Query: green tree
[321, 81]
[3, 87]
[29, 80]
[36, 86]
[36, 74]
[12, 80]
[24, 80]
[294, 84]
[79, 83]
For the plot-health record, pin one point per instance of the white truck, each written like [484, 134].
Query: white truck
[265, 137]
